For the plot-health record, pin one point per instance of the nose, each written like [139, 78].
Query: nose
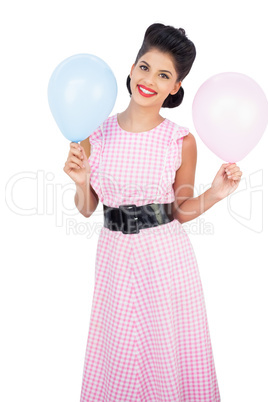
[149, 79]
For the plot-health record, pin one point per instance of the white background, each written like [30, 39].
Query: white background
[48, 248]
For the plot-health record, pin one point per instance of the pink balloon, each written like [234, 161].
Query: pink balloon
[230, 114]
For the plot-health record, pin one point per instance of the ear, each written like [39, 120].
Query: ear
[176, 88]
[132, 68]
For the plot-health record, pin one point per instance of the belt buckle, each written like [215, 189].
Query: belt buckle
[126, 219]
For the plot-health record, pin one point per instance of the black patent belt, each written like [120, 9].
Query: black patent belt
[131, 218]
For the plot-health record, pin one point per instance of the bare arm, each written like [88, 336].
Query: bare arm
[86, 199]
[185, 207]
[86, 145]
[77, 167]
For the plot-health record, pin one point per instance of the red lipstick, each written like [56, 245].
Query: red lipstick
[147, 89]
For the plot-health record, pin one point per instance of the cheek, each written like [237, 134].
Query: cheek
[172, 86]
[134, 79]
[166, 87]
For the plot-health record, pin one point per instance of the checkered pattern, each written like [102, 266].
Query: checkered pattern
[148, 335]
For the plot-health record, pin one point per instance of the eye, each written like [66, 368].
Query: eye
[144, 68]
[164, 75]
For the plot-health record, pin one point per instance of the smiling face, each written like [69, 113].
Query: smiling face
[153, 78]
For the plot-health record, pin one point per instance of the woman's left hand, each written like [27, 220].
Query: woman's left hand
[226, 180]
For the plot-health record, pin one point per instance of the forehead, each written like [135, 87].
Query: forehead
[159, 60]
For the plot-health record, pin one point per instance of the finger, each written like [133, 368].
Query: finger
[234, 171]
[83, 154]
[70, 166]
[75, 149]
[222, 168]
[74, 145]
[233, 168]
[236, 179]
[236, 176]
[74, 165]
[76, 160]
[226, 165]
[76, 152]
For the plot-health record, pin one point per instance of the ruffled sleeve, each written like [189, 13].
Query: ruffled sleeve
[179, 133]
[95, 140]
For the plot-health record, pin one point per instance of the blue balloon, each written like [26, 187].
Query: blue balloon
[82, 92]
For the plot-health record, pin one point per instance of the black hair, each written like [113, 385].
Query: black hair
[173, 41]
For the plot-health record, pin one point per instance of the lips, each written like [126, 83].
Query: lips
[147, 92]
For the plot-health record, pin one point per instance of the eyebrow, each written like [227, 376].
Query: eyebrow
[165, 71]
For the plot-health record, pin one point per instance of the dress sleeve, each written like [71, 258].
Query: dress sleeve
[96, 147]
[179, 133]
[95, 140]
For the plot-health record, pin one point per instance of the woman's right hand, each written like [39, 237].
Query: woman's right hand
[77, 166]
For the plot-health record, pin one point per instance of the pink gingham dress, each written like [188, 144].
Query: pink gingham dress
[148, 335]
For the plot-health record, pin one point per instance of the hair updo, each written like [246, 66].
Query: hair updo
[173, 41]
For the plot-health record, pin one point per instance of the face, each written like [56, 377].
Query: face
[153, 78]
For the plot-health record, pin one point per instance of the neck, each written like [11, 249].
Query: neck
[140, 118]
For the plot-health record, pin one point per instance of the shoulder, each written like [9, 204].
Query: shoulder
[189, 140]
[189, 148]
[180, 132]
[109, 123]
[183, 133]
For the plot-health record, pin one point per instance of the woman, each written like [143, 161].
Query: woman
[148, 336]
